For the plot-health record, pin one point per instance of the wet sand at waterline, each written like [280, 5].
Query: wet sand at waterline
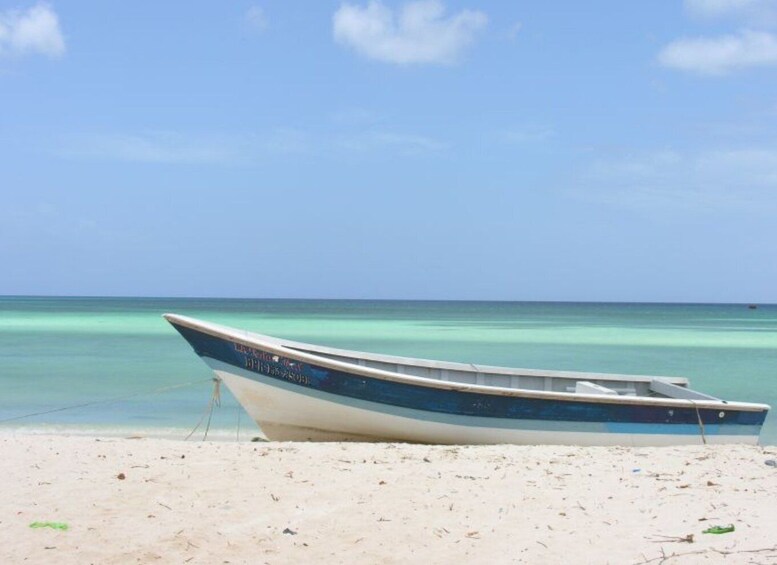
[155, 500]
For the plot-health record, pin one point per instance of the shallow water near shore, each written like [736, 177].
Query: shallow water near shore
[58, 352]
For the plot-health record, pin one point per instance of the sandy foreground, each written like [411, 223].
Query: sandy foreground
[195, 502]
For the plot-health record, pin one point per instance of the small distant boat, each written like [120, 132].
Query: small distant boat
[752, 306]
[296, 391]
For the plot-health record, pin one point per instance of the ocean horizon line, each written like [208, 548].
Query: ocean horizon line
[386, 300]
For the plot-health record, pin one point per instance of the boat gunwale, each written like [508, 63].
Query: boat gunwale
[288, 348]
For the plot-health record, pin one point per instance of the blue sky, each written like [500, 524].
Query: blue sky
[610, 151]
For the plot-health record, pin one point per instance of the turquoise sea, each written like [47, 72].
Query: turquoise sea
[60, 352]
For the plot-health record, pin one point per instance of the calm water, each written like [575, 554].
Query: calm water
[57, 352]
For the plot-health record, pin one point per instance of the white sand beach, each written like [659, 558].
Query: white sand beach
[162, 501]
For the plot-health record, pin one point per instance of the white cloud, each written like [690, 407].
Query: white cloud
[721, 55]
[32, 31]
[256, 19]
[420, 33]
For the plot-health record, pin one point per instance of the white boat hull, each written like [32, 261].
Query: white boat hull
[284, 415]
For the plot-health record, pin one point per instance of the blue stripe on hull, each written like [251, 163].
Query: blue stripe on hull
[444, 404]
[490, 422]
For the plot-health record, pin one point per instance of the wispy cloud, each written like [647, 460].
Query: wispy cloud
[255, 19]
[527, 134]
[419, 33]
[719, 7]
[32, 31]
[751, 167]
[514, 30]
[375, 140]
[150, 147]
[639, 167]
[713, 180]
[751, 12]
[279, 141]
[355, 116]
[406, 142]
[173, 148]
[721, 55]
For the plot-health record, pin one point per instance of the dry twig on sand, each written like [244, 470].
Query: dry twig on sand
[664, 558]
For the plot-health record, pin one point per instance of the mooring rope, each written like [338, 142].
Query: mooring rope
[701, 424]
[239, 411]
[104, 401]
[215, 399]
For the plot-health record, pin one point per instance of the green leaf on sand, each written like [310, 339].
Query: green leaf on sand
[55, 525]
[719, 529]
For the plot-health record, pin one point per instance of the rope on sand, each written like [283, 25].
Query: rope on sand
[104, 401]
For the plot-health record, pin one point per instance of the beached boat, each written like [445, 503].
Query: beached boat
[297, 391]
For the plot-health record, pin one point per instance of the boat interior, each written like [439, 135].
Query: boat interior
[524, 379]
[573, 382]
